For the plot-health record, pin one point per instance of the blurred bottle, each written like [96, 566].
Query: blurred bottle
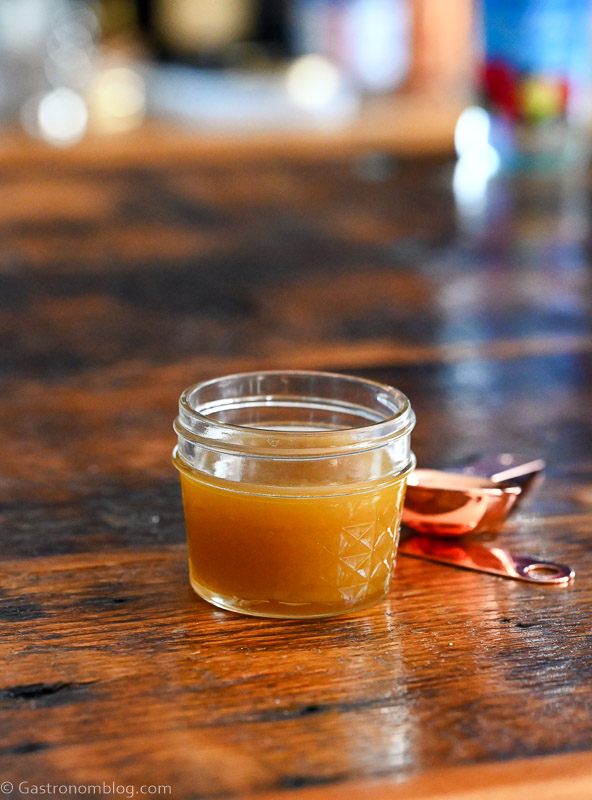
[201, 32]
[25, 26]
[443, 48]
[47, 61]
[119, 22]
[368, 39]
[535, 80]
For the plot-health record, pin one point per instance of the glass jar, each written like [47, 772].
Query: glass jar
[293, 485]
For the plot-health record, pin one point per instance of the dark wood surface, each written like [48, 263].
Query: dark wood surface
[119, 287]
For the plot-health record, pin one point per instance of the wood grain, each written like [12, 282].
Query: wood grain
[120, 286]
[549, 777]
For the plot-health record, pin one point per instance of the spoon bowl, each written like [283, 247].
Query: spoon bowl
[454, 504]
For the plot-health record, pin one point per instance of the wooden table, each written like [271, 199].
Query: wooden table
[123, 284]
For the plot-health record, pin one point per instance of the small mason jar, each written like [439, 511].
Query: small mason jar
[293, 485]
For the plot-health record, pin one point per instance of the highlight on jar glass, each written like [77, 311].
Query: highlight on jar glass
[293, 485]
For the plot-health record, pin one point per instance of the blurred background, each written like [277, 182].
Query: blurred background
[391, 74]
[73, 69]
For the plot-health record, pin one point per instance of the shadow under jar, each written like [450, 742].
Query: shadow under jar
[293, 486]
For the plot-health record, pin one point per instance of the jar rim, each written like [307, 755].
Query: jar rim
[395, 419]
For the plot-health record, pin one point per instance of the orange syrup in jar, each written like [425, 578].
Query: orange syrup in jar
[281, 555]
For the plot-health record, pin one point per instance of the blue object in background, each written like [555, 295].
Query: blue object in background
[539, 36]
[536, 80]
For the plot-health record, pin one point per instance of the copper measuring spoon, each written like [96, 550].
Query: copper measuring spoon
[492, 560]
[447, 504]
[454, 504]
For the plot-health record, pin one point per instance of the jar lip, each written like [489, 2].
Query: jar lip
[209, 431]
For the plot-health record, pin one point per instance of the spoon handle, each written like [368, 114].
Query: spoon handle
[492, 560]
